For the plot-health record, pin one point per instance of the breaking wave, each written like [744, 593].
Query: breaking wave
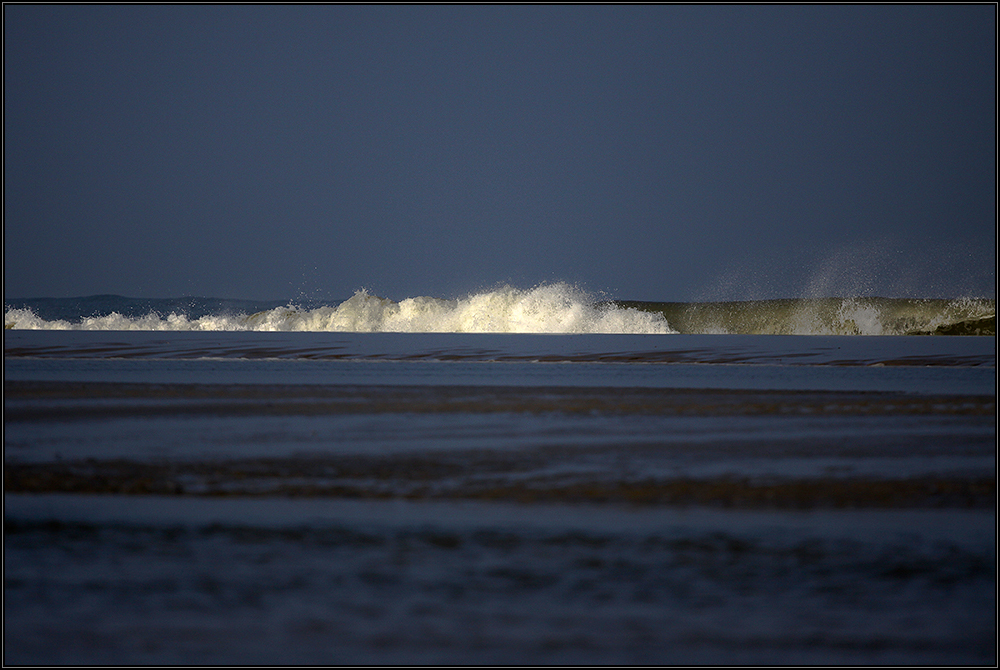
[830, 316]
[549, 308]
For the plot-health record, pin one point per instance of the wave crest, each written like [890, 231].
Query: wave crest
[547, 308]
[831, 316]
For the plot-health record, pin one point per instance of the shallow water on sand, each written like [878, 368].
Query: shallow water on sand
[387, 498]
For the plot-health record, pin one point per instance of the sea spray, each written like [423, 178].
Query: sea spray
[830, 316]
[547, 308]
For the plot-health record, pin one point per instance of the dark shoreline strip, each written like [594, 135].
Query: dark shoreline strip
[64, 401]
[307, 478]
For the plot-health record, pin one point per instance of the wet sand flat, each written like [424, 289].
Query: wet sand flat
[370, 511]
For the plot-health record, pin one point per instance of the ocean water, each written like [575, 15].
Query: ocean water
[548, 308]
[520, 476]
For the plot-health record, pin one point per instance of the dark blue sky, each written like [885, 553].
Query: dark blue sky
[649, 152]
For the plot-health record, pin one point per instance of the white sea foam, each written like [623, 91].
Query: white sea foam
[548, 308]
[850, 317]
[25, 319]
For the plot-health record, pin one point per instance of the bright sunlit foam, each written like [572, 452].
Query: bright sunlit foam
[548, 308]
